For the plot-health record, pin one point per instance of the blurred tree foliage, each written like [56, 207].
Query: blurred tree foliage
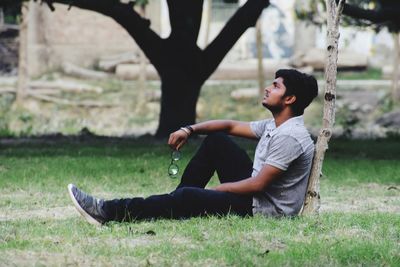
[11, 12]
[376, 14]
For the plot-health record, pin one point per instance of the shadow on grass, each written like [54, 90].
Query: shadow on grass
[87, 144]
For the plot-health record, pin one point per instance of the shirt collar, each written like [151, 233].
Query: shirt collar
[299, 120]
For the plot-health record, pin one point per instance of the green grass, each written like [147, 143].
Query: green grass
[330, 239]
[369, 161]
[360, 187]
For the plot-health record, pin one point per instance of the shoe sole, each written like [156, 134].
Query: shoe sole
[82, 212]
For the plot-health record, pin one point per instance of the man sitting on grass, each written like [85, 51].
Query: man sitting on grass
[274, 185]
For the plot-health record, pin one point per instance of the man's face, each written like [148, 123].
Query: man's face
[273, 98]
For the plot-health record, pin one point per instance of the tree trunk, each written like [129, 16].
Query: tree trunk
[312, 200]
[260, 57]
[395, 74]
[23, 55]
[142, 57]
[178, 105]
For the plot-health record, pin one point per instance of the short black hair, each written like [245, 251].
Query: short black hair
[302, 85]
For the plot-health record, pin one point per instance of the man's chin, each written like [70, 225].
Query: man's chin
[272, 109]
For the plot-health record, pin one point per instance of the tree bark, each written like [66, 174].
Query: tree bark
[395, 74]
[312, 200]
[142, 58]
[176, 113]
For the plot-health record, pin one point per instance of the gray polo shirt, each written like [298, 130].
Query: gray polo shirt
[290, 148]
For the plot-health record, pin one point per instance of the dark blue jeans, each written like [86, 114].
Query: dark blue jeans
[217, 153]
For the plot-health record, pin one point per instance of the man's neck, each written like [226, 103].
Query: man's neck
[282, 116]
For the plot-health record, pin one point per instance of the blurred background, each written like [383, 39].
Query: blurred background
[76, 71]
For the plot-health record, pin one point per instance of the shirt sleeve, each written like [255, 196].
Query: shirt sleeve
[258, 127]
[283, 150]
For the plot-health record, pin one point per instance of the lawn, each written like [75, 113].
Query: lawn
[358, 224]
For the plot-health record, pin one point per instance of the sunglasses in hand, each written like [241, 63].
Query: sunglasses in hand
[173, 168]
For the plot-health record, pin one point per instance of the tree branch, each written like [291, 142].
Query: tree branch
[386, 14]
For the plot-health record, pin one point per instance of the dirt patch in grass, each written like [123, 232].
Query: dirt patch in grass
[363, 198]
[125, 242]
[57, 213]
[353, 233]
[43, 258]
[355, 204]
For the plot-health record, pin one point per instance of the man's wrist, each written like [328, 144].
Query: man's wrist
[187, 129]
[190, 128]
[224, 187]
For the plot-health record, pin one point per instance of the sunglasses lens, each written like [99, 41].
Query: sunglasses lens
[176, 155]
[173, 170]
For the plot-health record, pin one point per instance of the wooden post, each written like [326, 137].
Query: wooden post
[396, 62]
[260, 57]
[23, 75]
[312, 201]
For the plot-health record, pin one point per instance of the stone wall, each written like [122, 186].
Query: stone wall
[77, 36]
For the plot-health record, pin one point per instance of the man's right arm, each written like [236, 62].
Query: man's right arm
[231, 127]
[237, 128]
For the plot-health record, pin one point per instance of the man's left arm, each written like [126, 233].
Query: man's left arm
[283, 150]
[254, 184]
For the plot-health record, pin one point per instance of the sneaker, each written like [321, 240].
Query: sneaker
[89, 207]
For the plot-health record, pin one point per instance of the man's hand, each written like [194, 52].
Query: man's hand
[177, 139]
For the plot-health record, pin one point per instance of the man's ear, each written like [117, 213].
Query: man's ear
[290, 99]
